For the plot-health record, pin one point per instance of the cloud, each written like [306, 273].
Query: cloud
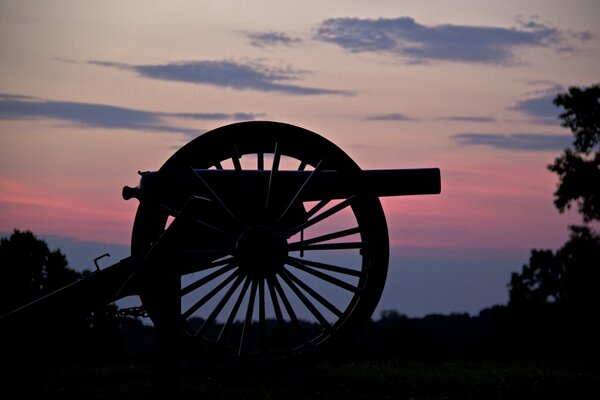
[541, 107]
[230, 74]
[271, 39]
[17, 107]
[583, 36]
[420, 43]
[403, 117]
[390, 117]
[515, 141]
[466, 118]
[217, 116]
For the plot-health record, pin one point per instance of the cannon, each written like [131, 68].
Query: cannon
[258, 240]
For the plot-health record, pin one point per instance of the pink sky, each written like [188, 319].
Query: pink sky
[91, 93]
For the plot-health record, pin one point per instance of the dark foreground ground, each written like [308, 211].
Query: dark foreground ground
[360, 380]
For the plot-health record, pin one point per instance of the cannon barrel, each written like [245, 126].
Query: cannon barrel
[316, 185]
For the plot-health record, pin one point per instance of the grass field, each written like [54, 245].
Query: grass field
[345, 381]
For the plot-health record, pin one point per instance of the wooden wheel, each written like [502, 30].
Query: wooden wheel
[265, 274]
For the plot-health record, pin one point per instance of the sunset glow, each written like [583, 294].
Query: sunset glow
[92, 92]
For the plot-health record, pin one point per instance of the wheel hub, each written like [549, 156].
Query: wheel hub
[261, 250]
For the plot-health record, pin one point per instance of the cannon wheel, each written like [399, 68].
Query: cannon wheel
[273, 276]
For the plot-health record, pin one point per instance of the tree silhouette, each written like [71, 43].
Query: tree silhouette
[569, 277]
[578, 168]
[29, 270]
[556, 294]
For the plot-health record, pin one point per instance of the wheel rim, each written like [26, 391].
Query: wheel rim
[289, 276]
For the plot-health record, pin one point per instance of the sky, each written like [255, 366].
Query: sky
[91, 92]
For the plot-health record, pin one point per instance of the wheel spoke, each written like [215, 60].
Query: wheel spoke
[274, 169]
[235, 158]
[289, 309]
[211, 264]
[329, 236]
[203, 281]
[234, 311]
[310, 306]
[325, 277]
[213, 315]
[210, 294]
[215, 196]
[214, 229]
[277, 308]
[172, 212]
[198, 252]
[248, 320]
[314, 294]
[327, 267]
[260, 161]
[300, 189]
[317, 207]
[261, 316]
[325, 214]
[328, 246]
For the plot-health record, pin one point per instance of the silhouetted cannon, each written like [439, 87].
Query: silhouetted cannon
[256, 239]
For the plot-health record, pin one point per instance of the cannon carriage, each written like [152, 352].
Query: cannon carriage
[258, 240]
